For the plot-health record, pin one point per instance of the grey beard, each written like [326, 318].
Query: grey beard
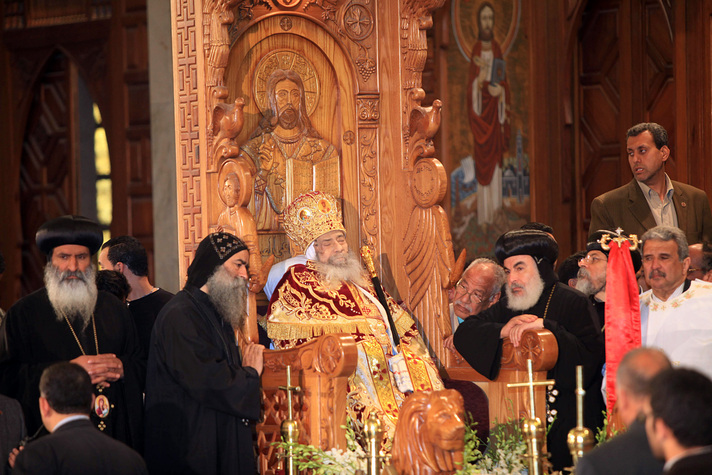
[229, 295]
[75, 298]
[530, 297]
[585, 284]
[336, 274]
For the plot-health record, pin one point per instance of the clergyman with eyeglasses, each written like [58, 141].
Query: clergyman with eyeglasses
[478, 289]
[591, 278]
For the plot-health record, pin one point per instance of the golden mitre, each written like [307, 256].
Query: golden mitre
[311, 215]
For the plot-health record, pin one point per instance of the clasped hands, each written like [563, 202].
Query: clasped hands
[103, 369]
[516, 326]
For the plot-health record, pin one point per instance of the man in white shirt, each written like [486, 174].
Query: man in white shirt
[675, 314]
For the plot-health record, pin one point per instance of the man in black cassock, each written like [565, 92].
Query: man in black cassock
[69, 320]
[202, 397]
[534, 300]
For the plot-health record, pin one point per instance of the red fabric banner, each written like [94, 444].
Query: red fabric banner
[622, 325]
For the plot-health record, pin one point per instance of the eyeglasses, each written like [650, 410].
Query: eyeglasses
[591, 259]
[694, 269]
[462, 288]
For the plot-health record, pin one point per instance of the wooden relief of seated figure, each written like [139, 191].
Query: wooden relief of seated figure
[285, 153]
[327, 291]
[234, 184]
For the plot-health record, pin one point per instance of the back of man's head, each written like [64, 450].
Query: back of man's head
[67, 388]
[682, 399]
[635, 371]
[129, 251]
[638, 367]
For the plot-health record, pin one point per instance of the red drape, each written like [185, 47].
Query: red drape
[622, 326]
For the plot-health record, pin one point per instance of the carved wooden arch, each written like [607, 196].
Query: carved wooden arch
[33, 66]
[90, 68]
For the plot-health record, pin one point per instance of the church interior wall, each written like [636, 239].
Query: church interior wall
[552, 30]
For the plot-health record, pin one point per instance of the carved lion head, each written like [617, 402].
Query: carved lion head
[429, 436]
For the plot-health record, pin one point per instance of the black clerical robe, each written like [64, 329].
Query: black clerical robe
[201, 403]
[32, 338]
[570, 317]
[144, 311]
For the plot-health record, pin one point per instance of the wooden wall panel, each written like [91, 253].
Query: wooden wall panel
[105, 44]
[624, 76]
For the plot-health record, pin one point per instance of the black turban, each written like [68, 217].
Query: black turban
[213, 251]
[530, 242]
[594, 245]
[69, 230]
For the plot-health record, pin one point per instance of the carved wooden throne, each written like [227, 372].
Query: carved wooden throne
[361, 64]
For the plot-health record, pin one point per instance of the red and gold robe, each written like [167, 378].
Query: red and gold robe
[304, 307]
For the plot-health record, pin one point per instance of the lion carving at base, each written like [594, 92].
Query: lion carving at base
[429, 437]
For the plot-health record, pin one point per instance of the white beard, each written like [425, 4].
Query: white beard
[75, 298]
[336, 274]
[229, 295]
[529, 298]
[585, 284]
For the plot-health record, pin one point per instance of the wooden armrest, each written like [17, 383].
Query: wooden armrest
[538, 345]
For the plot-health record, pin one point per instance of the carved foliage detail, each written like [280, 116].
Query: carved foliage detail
[368, 108]
[368, 182]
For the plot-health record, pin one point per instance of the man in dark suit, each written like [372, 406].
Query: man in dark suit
[652, 198]
[74, 444]
[679, 421]
[629, 452]
[12, 429]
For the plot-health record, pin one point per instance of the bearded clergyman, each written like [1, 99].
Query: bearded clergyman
[534, 299]
[326, 290]
[202, 396]
[69, 320]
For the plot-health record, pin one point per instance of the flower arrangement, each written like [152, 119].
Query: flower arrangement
[504, 455]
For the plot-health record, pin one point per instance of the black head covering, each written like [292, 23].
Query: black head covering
[213, 251]
[530, 242]
[69, 230]
[594, 245]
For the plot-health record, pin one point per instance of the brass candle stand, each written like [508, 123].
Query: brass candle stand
[289, 427]
[532, 427]
[373, 430]
[580, 438]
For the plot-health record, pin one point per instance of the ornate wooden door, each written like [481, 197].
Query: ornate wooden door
[47, 175]
[625, 76]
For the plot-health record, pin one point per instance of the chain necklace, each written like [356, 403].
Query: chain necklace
[546, 309]
[102, 406]
[93, 322]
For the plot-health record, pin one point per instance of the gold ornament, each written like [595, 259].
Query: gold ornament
[311, 215]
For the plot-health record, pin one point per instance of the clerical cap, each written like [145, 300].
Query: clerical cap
[594, 245]
[213, 251]
[310, 216]
[69, 229]
[530, 242]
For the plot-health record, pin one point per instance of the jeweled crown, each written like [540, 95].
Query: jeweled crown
[311, 215]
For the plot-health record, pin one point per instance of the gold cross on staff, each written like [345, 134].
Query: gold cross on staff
[532, 428]
[531, 385]
[606, 239]
[289, 388]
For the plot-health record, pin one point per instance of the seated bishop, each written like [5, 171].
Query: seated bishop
[327, 291]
